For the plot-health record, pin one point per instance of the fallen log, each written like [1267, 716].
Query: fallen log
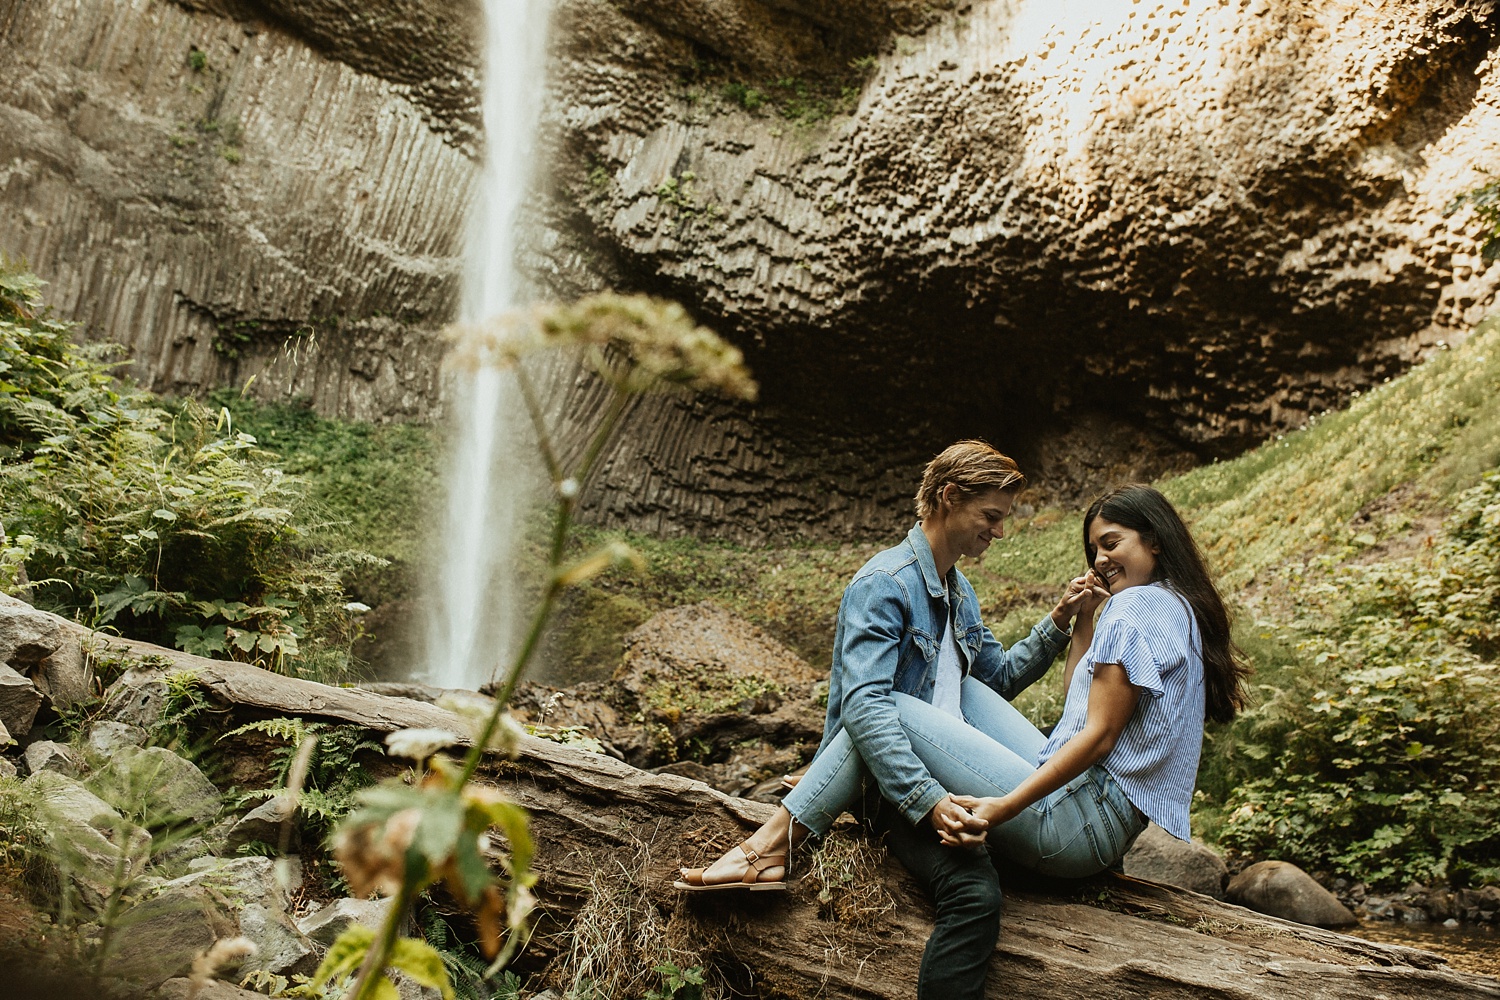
[611, 837]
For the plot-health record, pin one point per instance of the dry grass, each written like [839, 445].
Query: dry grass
[846, 871]
[619, 936]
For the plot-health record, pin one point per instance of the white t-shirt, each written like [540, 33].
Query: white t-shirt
[950, 676]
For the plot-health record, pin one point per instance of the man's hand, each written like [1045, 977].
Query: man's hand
[955, 825]
[1083, 597]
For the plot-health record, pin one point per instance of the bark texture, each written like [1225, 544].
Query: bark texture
[610, 838]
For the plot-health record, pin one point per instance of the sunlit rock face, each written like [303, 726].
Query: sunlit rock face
[1104, 235]
[1114, 238]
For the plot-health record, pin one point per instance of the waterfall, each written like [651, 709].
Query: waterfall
[472, 622]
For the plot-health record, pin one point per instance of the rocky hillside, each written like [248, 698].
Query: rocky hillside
[1112, 240]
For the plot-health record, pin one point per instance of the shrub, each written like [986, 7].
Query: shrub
[1383, 758]
[156, 518]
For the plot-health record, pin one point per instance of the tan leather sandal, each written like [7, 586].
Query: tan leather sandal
[692, 878]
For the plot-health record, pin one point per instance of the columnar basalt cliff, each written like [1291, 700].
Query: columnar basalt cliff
[1114, 238]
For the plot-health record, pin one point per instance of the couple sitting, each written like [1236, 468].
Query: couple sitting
[919, 712]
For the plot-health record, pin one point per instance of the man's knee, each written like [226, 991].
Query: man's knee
[970, 890]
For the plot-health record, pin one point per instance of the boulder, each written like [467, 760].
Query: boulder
[19, 700]
[1160, 857]
[326, 924]
[95, 849]
[107, 738]
[700, 691]
[262, 824]
[45, 755]
[258, 902]
[214, 989]
[1283, 890]
[160, 936]
[8, 768]
[48, 649]
[157, 779]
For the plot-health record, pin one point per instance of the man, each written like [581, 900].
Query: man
[909, 622]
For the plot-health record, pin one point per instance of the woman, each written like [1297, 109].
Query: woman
[1139, 686]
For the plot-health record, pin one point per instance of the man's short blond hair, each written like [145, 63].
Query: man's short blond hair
[972, 468]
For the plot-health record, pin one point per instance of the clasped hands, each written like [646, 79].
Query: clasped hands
[965, 820]
[1084, 595]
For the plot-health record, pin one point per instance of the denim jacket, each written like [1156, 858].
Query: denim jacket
[891, 623]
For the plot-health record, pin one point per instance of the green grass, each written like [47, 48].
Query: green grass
[380, 483]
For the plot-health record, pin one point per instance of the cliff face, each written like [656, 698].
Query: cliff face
[212, 191]
[1112, 238]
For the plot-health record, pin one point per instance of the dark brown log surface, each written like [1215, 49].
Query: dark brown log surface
[595, 817]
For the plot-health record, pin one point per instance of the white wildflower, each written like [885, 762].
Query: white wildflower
[419, 744]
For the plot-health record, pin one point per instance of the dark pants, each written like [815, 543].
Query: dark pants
[964, 888]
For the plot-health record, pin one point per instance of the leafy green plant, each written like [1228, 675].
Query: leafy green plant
[677, 984]
[1382, 760]
[404, 838]
[159, 520]
[334, 771]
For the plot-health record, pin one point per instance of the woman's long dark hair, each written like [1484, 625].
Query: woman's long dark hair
[1179, 562]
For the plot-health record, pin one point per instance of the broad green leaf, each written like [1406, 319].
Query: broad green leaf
[344, 955]
[421, 961]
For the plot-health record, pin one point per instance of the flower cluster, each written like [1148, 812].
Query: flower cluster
[635, 341]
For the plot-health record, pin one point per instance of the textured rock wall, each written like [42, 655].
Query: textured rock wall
[1114, 239]
[1110, 237]
[226, 201]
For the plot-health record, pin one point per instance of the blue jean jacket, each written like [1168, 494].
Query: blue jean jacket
[891, 623]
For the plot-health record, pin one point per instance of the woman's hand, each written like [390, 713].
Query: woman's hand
[994, 810]
[1082, 598]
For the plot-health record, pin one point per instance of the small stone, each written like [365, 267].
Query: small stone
[45, 755]
[1283, 890]
[7, 768]
[1450, 923]
[325, 925]
[262, 824]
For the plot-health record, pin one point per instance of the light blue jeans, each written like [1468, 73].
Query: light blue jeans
[1079, 830]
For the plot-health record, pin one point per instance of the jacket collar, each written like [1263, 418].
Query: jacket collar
[936, 585]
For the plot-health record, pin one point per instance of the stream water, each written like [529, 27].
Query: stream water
[1468, 947]
[472, 625]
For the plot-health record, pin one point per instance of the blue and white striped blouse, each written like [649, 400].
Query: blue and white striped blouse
[1151, 632]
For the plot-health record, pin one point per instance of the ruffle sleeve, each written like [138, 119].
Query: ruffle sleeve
[1119, 641]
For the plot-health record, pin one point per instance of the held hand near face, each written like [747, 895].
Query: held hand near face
[956, 826]
[1081, 599]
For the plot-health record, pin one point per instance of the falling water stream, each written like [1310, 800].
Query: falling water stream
[471, 626]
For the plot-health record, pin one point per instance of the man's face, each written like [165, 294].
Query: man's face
[971, 525]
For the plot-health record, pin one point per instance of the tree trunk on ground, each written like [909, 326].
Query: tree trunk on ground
[610, 838]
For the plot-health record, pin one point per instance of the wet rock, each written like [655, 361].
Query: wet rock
[326, 924]
[156, 778]
[19, 701]
[92, 846]
[1283, 890]
[45, 755]
[1160, 857]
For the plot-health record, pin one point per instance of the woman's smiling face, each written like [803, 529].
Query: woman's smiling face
[1122, 558]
